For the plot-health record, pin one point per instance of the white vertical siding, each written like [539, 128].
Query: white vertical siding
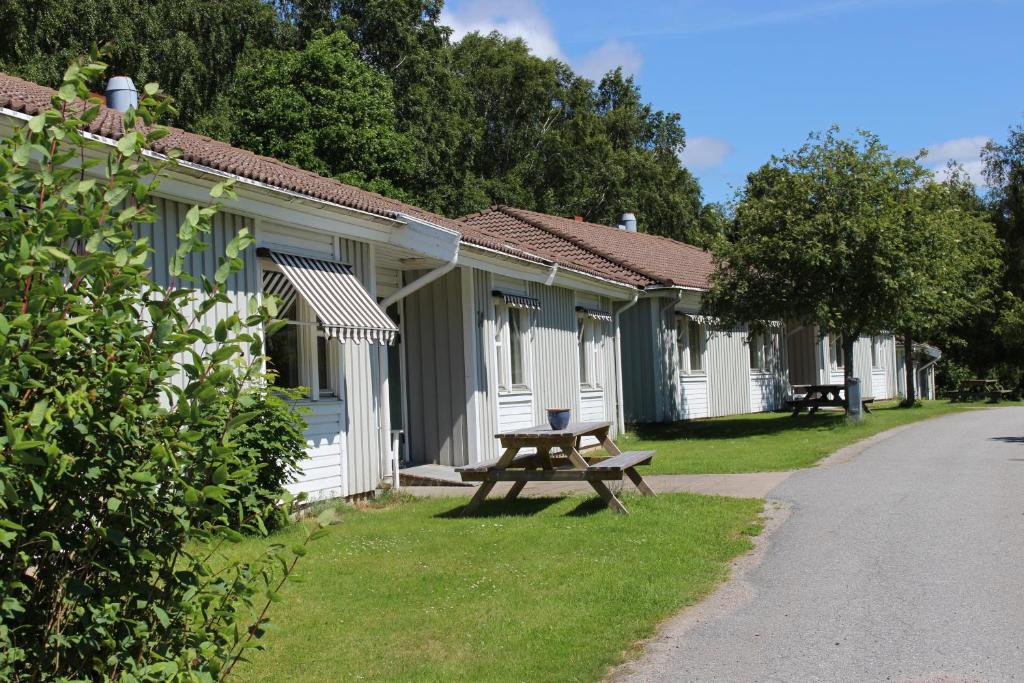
[556, 380]
[487, 374]
[728, 367]
[323, 474]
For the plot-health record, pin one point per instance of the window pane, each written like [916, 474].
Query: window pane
[322, 366]
[283, 356]
[515, 337]
[753, 344]
[696, 347]
[581, 348]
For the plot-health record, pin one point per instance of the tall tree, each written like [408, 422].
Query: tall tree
[953, 265]
[818, 238]
[190, 46]
[321, 108]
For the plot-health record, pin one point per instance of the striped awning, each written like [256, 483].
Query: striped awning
[343, 307]
[699, 319]
[595, 313]
[277, 284]
[518, 301]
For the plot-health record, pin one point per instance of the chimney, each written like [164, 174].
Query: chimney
[121, 94]
[627, 222]
[578, 219]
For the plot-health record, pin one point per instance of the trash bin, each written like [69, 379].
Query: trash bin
[854, 406]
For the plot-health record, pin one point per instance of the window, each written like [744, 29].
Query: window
[755, 342]
[588, 342]
[836, 352]
[283, 352]
[762, 351]
[876, 352]
[510, 341]
[302, 355]
[690, 342]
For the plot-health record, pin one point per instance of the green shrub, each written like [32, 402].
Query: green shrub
[274, 442]
[119, 481]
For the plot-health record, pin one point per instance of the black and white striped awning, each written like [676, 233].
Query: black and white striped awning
[343, 307]
[699, 319]
[518, 301]
[595, 313]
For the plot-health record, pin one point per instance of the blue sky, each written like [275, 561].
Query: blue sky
[753, 78]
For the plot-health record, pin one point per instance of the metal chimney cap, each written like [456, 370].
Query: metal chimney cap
[122, 94]
[628, 221]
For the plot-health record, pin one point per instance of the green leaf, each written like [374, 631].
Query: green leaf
[35, 418]
[129, 143]
[165, 621]
[143, 477]
[36, 123]
[327, 517]
[22, 154]
[220, 475]
[113, 504]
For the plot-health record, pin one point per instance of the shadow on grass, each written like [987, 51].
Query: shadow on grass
[589, 506]
[499, 507]
[1008, 439]
[736, 428]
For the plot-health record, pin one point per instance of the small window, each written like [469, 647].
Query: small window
[838, 358]
[697, 343]
[876, 352]
[515, 335]
[755, 344]
[283, 353]
[588, 341]
[510, 344]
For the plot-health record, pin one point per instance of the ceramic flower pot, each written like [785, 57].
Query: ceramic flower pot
[558, 418]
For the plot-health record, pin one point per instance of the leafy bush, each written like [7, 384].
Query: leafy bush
[274, 442]
[118, 473]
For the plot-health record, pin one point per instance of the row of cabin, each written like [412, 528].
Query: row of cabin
[420, 337]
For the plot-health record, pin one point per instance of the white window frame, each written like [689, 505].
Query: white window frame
[835, 350]
[589, 341]
[503, 346]
[763, 351]
[309, 331]
[876, 352]
[683, 346]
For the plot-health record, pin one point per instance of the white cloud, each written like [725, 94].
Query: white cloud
[612, 54]
[512, 18]
[705, 152]
[524, 19]
[964, 151]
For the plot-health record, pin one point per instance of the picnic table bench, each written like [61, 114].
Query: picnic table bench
[977, 389]
[811, 397]
[567, 464]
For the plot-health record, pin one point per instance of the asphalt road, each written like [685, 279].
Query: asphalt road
[905, 563]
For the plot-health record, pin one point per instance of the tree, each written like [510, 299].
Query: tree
[119, 481]
[953, 261]
[323, 109]
[819, 238]
[190, 46]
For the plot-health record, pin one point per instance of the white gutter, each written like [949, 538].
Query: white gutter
[620, 409]
[422, 281]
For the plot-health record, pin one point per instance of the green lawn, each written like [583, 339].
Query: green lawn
[768, 441]
[550, 589]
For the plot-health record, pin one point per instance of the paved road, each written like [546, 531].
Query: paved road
[905, 563]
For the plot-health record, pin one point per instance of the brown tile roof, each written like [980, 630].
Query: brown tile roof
[31, 98]
[659, 259]
[634, 259]
[498, 223]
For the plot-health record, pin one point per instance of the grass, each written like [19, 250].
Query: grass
[548, 589]
[765, 442]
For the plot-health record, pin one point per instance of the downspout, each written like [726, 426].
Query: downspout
[661, 321]
[415, 285]
[620, 410]
[551, 275]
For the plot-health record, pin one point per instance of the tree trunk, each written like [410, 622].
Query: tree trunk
[908, 363]
[848, 341]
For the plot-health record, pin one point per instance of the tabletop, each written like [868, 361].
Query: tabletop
[574, 429]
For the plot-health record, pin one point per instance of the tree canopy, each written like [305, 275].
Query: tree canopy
[397, 107]
[845, 236]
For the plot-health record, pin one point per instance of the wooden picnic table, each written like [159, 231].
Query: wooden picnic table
[976, 389]
[815, 396]
[568, 464]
